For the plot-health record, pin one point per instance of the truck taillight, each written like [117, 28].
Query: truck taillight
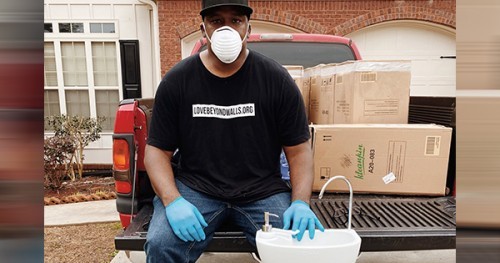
[123, 187]
[121, 155]
[121, 166]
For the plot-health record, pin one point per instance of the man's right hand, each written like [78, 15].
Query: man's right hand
[185, 219]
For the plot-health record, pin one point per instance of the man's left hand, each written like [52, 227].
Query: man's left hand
[303, 217]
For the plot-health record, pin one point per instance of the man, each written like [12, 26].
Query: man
[229, 111]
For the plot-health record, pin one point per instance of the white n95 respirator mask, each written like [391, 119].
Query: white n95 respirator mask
[226, 43]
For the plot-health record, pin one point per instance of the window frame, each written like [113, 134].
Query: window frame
[101, 27]
[91, 88]
[57, 35]
[51, 27]
[71, 28]
[117, 60]
[44, 68]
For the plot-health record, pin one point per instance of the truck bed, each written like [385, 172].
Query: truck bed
[384, 223]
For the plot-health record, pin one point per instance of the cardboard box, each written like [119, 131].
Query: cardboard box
[306, 89]
[314, 92]
[322, 94]
[407, 159]
[296, 71]
[301, 78]
[372, 92]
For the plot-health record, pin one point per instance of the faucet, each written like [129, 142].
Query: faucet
[350, 194]
[267, 227]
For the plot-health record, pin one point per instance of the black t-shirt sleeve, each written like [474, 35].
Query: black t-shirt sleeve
[164, 126]
[292, 119]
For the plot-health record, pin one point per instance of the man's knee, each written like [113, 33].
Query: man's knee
[154, 243]
[162, 248]
[160, 238]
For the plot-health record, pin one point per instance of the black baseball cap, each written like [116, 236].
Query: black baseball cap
[208, 4]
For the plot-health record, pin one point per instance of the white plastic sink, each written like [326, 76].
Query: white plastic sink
[331, 246]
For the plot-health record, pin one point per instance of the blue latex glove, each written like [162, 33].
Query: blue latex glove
[303, 217]
[185, 219]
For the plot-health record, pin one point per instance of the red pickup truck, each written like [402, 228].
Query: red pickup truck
[393, 223]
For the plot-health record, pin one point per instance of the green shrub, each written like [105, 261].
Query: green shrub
[83, 130]
[57, 153]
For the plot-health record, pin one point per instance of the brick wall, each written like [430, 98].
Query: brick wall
[179, 18]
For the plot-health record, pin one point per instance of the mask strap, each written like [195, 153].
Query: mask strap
[246, 34]
[205, 28]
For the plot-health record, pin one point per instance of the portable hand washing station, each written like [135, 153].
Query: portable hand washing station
[332, 246]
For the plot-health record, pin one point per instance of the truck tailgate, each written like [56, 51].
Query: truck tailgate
[393, 223]
[384, 223]
[134, 237]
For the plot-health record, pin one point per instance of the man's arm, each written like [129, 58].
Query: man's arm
[161, 174]
[300, 161]
[299, 215]
[185, 219]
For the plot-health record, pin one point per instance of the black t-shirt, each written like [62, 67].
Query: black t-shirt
[229, 131]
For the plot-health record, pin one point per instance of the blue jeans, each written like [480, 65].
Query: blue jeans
[162, 245]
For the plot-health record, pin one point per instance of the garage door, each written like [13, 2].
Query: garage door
[428, 46]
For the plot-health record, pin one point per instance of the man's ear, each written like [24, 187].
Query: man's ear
[249, 28]
[202, 29]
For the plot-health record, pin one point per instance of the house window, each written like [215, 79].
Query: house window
[102, 28]
[81, 78]
[74, 64]
[50, 105]
[71, 28]
[105, 64]
[106, 105]
[47, 28]
[77, 103]
[49, 65]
